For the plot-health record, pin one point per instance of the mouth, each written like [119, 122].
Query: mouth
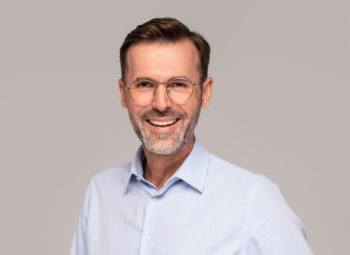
[163, 123]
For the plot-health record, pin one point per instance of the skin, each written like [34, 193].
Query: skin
[169, 146]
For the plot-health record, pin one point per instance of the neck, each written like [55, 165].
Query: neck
[159, 168]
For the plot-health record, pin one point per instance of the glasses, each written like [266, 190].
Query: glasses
[179, 90]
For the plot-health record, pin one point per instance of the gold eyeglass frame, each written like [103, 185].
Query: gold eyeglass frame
[157, 83]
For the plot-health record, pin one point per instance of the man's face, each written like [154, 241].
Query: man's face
[164, 126]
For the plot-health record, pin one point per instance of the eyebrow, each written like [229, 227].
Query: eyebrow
[150, 79]
[142, 79]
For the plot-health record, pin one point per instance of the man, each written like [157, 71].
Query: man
[175, 197]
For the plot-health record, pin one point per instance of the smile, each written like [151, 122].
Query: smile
[162, 123]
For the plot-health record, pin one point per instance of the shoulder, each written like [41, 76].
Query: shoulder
[111, 178]
[257, 188]
[256, 191]
[116, 171]
[234, 176]
[267, 216]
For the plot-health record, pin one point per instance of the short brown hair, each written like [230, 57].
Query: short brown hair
[166, 29]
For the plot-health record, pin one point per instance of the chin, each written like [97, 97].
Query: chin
[163, 147]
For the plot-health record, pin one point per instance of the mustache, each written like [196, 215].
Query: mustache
[154, 113]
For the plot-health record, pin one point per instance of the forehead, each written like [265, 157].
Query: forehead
[162, 59]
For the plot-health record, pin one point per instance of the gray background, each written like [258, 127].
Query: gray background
[280, 107]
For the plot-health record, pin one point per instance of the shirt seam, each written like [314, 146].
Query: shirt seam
[206, 172]
[246, 229]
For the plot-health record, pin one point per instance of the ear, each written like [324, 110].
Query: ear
[122, 92]
[207, 91]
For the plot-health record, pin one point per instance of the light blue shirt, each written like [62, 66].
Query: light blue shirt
[208, 207]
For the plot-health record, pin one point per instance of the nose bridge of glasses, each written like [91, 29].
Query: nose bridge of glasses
[161, 86]
[161, 92]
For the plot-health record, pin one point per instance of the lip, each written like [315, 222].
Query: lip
[163, 129]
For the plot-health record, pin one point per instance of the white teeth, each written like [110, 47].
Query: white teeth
[162, 123]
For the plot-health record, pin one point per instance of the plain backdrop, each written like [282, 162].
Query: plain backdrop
[280, 107]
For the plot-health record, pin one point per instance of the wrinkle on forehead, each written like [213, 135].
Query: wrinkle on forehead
[161, 60]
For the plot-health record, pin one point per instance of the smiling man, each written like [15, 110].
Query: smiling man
[163, 91]
[175, 197]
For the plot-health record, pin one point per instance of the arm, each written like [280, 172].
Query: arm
[80, 244]
[271, 226]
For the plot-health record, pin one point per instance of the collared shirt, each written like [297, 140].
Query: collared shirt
[208, 207]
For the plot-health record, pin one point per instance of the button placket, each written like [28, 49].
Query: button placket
[146, 239]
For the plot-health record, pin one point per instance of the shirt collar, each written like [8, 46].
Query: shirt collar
[193, 170]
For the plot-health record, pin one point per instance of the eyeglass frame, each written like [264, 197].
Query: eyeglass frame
[157, 83]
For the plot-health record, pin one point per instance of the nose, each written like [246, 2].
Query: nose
[161, 100]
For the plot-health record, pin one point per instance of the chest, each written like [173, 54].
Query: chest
[176, 224]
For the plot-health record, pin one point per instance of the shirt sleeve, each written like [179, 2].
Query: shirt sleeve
[271, 226]
[80, 242]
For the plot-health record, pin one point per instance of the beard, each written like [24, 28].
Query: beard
[165, 143]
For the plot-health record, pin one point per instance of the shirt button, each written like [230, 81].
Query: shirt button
[138, 178]
[148, 238]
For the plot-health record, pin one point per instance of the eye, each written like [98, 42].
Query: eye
[144, 84]
[179, 84]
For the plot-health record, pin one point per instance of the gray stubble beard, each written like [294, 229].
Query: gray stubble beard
[180, 141]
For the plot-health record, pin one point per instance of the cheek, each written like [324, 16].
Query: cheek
[192, 109]
[196, 104]
[135, 111]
